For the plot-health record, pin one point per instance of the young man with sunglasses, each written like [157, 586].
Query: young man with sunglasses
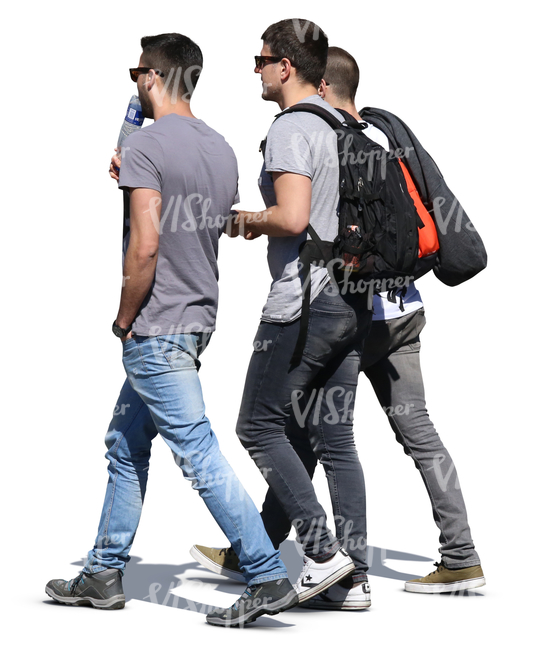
[299, 184]
[166, 316]
[391, 361]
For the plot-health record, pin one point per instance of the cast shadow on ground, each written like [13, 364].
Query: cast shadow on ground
[163, 584]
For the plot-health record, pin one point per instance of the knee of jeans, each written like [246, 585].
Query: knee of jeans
[112, 439]
[244, 432]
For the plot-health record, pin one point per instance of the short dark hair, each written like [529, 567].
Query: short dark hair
[303, 43]
[178, 58]
[342, 73]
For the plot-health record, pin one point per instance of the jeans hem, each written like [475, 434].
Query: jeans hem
[326, 555]
[462, 565]
[268, 578]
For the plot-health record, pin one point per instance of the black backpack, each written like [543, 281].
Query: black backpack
[377, 242]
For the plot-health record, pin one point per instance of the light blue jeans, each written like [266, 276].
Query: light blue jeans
[162, 394]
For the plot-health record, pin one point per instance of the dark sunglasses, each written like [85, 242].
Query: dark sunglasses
[136, 72]
[260, 61]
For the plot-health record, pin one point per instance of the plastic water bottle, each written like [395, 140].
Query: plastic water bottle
[133, 120]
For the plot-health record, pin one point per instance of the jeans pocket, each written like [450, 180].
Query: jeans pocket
[180, 352]
[326, 331]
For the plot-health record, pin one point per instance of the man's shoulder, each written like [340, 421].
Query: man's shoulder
[304, 121]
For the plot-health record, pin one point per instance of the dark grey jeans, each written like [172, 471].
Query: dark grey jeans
[325, 381]
[391, 361]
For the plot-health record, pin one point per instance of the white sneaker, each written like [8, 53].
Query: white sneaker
[315, 577]
[337, 597]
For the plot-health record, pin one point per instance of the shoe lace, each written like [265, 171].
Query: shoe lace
[440, 567]
[303, 570]
[72, 584]
[248, 593]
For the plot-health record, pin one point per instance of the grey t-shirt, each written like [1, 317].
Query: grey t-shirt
[196, 172]
[305, 144]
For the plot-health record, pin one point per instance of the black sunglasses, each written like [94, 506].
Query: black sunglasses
[136, 72]
[260, 61]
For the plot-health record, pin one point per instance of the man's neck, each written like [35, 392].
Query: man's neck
[295, 93]
[349, 107]
[166, 107]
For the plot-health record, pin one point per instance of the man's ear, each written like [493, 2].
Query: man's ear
[151, 80]
[321, 89]
[285, 69]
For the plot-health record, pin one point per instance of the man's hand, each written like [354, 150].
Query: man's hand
[233, 228]
[125, 338]
[115, 164]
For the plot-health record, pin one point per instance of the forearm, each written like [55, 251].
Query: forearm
[138, 274]
[274, 222]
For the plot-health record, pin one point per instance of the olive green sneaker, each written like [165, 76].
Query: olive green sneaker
[443, 580]
[219, 560]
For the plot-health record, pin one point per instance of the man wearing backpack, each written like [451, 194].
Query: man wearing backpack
[391, 361]
[300, 186]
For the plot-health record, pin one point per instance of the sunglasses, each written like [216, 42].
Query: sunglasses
[136, 72]
[261, 61]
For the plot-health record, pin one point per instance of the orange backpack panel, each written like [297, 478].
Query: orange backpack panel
[428, 242]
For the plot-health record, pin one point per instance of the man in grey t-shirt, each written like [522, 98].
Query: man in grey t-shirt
[300, 187]
[182, 179]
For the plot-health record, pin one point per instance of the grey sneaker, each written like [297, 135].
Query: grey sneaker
[271, 597]
[103, 590]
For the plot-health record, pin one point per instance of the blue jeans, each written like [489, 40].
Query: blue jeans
[326, 379]
[162, 394]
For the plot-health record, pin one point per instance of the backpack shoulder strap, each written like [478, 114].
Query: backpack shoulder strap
[320, 111]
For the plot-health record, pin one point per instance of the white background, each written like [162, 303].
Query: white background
[464, 76]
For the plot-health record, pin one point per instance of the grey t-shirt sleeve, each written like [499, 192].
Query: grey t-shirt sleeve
[288, 148]
[141, 163]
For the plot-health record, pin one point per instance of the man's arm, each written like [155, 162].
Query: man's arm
[288, 218]
[141, 257]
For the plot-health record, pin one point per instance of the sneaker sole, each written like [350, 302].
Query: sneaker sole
[115, 602]
[330, 580]
[215, 567]
[444, 587]
[317, 603]
[290, 600]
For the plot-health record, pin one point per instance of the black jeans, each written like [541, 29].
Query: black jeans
[319, 394]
